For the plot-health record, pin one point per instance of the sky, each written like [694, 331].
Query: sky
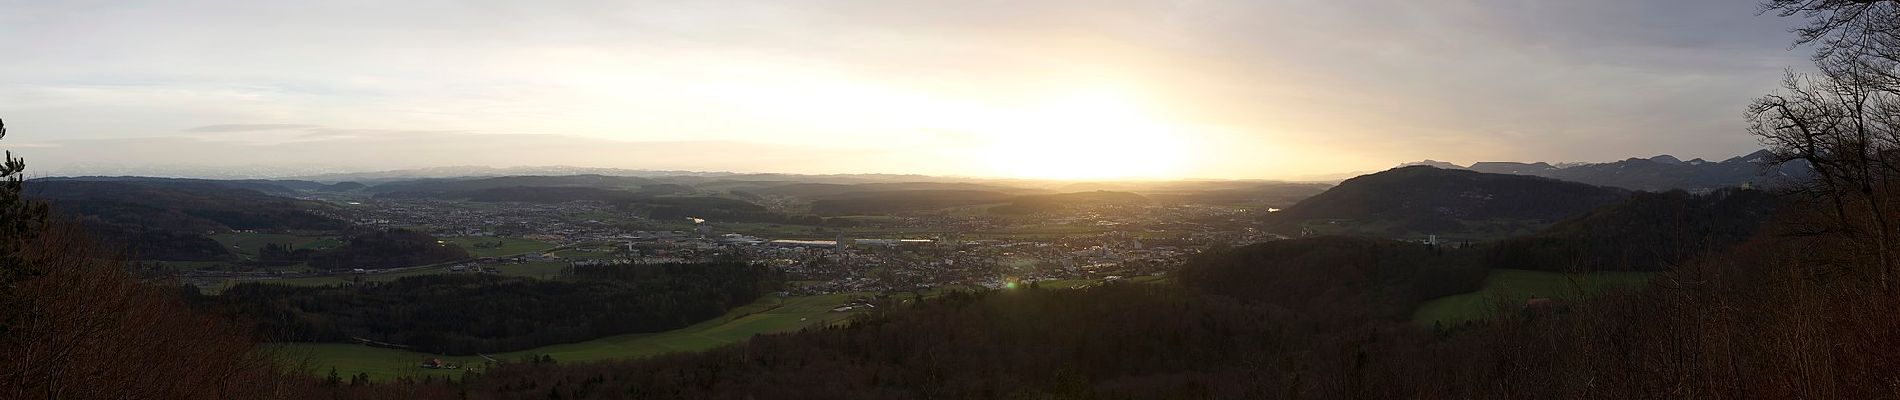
[1275, 89]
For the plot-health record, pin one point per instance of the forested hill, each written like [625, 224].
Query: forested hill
[460, 314]
[1453, 204]
[182, 206]
[167, 220]
[378, 249]
[1337, 279]
[1647, 232]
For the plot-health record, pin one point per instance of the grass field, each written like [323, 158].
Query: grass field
[509, 246]
[1506, 288]
[768, 315]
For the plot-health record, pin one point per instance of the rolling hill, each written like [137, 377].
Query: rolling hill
[1411, 202]
[169, 220]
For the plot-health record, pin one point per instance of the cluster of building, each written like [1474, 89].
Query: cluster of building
[1108, 242]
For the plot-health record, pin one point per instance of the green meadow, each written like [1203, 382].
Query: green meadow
[1506, 289]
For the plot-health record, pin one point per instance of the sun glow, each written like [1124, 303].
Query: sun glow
[1097, 136]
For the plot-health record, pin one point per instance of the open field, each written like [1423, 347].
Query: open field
[768, 315]
[1509, 288]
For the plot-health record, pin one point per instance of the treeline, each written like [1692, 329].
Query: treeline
[1115, 341]
[460, 314]
[376, 249]
[1338, 280]
[149, 243]
[1647, 232]
[188, 207]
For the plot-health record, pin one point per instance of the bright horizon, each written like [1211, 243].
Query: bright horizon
[1051, 90]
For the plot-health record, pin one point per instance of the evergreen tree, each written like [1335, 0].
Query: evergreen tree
[20, 222]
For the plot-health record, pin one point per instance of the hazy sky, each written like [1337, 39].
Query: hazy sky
[1047, 88]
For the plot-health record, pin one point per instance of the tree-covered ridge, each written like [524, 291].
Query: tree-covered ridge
[1421, 200]
[1647, 232]
[183, 206]
[378, 249]
[461, 314]
[169, 219]
[1337, 278]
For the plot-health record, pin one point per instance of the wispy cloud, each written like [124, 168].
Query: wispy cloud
[248, 127]
[1317, 85]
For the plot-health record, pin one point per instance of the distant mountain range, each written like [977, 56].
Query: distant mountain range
[1656, 174]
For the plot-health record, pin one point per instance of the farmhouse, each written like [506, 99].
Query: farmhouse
[436, 363]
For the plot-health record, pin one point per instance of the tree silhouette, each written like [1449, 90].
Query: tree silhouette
[20, 223]
[1844, 120]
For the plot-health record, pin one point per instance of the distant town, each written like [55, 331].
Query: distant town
[907, 252]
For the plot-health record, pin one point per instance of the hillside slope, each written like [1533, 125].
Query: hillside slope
[1647, 232]
[169, 220]
[1410, 202]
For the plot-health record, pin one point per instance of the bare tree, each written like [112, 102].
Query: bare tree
[1844, 120]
